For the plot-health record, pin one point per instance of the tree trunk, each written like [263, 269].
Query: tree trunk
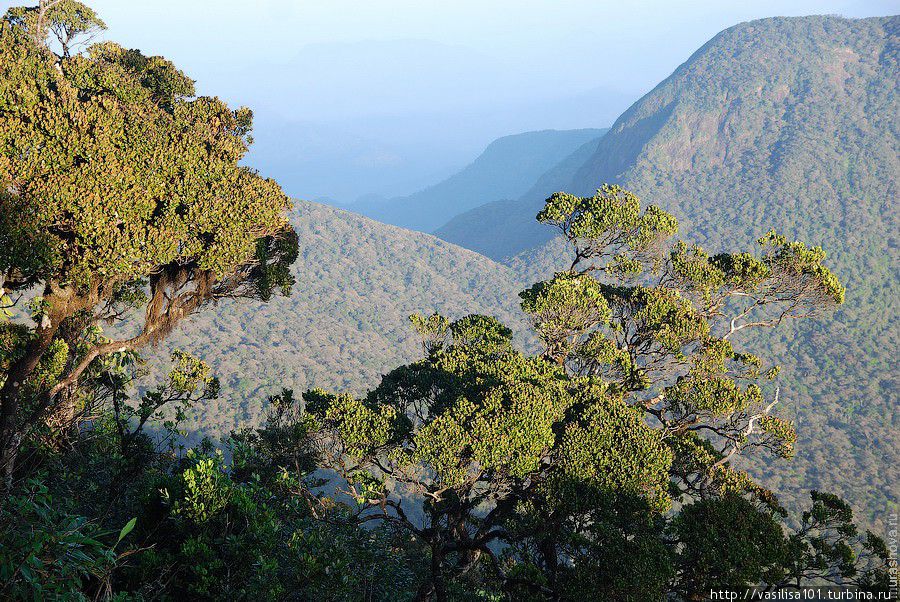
[58, 309]
[547, 548]
[435, 588]
[437, 573]
[11, 397]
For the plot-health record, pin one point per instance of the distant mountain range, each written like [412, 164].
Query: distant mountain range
[504, 227]
[336, 165]
[789, 123]
[505, 169]
[786, 123]
[337, 121]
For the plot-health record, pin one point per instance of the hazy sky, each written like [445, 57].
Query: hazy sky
[620, 44]
[407, 90]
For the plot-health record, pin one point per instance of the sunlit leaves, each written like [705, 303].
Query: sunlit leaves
[610, 228]
[207, 488]
[189, 374]
[783, 433]
[664, 339]
[114, 158]
[800, 270]
[656, 317]
[610, 448]
[565, 308]
[481, 333]
[432, 330]
[362, 429]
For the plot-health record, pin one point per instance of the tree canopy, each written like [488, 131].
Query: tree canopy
[736, 142]
[602, 466]
[119, 189]
[618, 440]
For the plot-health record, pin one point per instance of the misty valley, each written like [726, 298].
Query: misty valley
[651, 357]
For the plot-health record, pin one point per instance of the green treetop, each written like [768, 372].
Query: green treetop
[118, 188]
[596, 467]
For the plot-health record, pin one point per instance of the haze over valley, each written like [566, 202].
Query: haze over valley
[420, 301]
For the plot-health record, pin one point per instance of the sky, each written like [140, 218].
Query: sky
[386, 96]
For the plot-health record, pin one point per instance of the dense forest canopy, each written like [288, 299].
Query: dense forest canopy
[838, 382]
[346, 323]
[785, 123]
[603, 465]
[121, 189]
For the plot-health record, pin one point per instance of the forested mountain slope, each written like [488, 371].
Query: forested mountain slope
[806, 104]
[787, 123]
[493, 466]
[504, 170]
[496, 228]
[346, 322]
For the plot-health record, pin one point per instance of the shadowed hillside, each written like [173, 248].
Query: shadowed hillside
[791, 124]
[504, 170]
[784, 123]
[210, 391]
[346, 322]
[496, 228]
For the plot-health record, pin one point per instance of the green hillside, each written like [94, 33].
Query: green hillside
[209, 391]
[346, 322]
[788, 123]
[505, 169]
[495, 228]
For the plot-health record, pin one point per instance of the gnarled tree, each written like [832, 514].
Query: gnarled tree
[598, 465]
[119, 189]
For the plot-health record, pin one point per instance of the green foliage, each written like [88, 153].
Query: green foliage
[729, 544]
[189, 374]
[602, 466]
[485, 471]
[144, 523]
[636, 399]
[162, 184]
[206, 489]
[478, 427]
[361, 427]
[664, 341]
[63, 20]
[432, 330]
[828, 540]
[47, 552]
[50, 367]
[610, 448]
[564, 308]
[803, 265]
[692, 266]
[116, 179]
[489, 406]
[610, 223]
[736, 144]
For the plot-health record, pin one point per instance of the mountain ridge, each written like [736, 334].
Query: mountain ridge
[466, 229]
[773, 123]
[785, 123]
[503, 169]
[345, 323]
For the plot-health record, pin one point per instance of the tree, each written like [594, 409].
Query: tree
[474, 426]
[197, 526]
[573, 459]
[120, 190]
